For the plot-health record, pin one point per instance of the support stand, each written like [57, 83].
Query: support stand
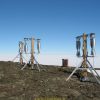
[90, 67]
[18, 56]
[39, 67]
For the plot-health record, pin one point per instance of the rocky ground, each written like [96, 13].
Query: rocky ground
[27, 84]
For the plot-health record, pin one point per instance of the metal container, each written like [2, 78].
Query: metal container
[64, 62]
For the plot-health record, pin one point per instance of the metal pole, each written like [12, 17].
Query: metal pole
[21, 59]
[21, 52]
[84, 64]
[32, 51]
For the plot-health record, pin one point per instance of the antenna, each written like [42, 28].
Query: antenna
[78, 46]
[32, 61]
[23, 50]
[21, 46]
[20, 53]
[83, 74]
[92, 43]
[25, 47]
[38, 45]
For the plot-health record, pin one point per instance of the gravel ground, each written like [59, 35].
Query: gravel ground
[27, 84]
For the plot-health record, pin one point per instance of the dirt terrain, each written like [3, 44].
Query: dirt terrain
[27, 84]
